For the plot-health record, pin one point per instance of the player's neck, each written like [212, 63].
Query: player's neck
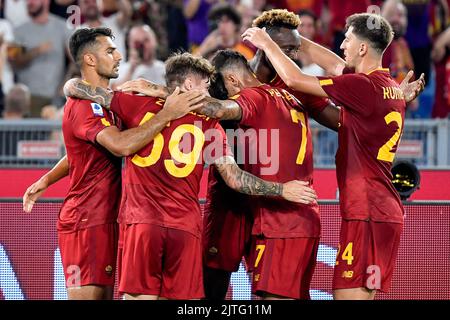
[369, 64]
[95, 80]
[260, 68]
[251, 81]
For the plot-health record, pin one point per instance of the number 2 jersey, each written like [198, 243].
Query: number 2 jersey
[372, 116]
[161, 181]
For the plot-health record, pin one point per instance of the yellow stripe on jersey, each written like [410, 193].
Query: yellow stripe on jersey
[379, 69]
[234, 97]
[326, 82]
[105, 122]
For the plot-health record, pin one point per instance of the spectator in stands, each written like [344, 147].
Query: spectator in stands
[15, 11]
[118, 22]
[142, 62]
[17, 106]
[196, 14]
[17, 102]
[441, 58]
[397, 56]
[6, 38]
[59, 7]
[417, 35]
[225, 22]
[41, 65]
[339, 11]
[307, 29]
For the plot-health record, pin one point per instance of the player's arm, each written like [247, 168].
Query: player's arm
[325, 58]
[289, 72]
[211, 107]
[220, 109]
[329, 117]
[80, 89]
[34, 192]
[244, 182]
[126, 142]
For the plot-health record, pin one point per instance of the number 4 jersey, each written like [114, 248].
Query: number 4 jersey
[161, 182]
[373, 110]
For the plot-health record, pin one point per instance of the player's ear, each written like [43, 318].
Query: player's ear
[363, 48]
[89, 59]
[188, 83]
[232, 79]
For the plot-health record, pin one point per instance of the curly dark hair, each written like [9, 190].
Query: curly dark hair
[277, 18]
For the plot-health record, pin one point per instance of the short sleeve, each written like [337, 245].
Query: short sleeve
[353, 92]
[313, 104]
[250, 100]
[88, 120]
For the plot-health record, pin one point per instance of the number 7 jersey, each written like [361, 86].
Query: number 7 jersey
[371, 125]
[161, 181]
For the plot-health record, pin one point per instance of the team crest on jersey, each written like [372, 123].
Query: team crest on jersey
[97, 109]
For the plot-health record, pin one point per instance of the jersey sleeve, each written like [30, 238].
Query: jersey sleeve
[251, 101]
[88, 120]
[313, 105]
[354, 92]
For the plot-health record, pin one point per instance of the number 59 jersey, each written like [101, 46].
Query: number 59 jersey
[161, 181]
[372, 116]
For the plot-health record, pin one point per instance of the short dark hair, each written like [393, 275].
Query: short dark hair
[308, 13]
[83, 38]
[180, 65]
[225, 9]
[225, 59]
[217, 87]
[18, 99]
[275, 19]
[373, 28]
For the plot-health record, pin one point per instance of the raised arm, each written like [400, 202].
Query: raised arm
[291, 74]
[326, 59]
[34, 192]
[244, 182]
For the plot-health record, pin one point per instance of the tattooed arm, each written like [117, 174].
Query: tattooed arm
[244, 182]
[80, 89]
[220, 109]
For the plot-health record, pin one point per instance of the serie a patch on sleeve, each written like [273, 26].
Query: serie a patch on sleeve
[97, 109]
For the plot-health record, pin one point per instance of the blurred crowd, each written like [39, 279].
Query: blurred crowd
[34, 60]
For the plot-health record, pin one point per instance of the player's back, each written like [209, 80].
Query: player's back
[161, 182]
[277, 136]
[95, 174]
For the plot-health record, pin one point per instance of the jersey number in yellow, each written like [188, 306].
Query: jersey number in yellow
[188, 159]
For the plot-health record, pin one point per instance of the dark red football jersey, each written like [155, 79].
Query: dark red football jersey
[161, 182]
[279, 146]
[312, 104]
[372, 116]
[95, 174]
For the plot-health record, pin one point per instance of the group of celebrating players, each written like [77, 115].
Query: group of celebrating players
[146, 218]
